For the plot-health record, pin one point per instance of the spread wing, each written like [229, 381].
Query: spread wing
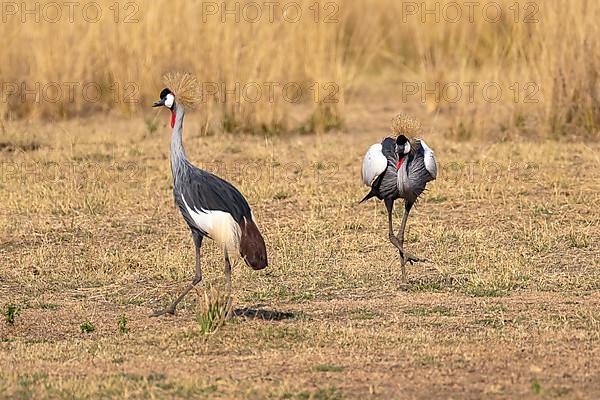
[428, 158]
[378, 159]
[379, 170]
[374, 164]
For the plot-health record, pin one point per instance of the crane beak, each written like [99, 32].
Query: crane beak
[159, 103]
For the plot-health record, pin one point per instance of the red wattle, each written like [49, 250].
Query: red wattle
[172, 119]
[399, 163]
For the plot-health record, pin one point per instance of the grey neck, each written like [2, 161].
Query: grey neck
[178, 158]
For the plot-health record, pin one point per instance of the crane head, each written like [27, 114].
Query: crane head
[167, 99]
[402, 145]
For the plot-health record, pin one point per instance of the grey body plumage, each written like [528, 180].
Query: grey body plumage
[200, 189]
[211, 207]
[413, 175]
[398, 169]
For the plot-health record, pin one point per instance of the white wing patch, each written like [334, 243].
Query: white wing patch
[429, 159]
[219, 225]
[374, 164]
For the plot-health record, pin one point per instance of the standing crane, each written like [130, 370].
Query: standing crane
[397, 168]
[211, 206]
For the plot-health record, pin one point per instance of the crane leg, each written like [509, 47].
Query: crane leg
[228, 273]
[406, 257]
[197, 278]
[228, 282]
[389, 204]
[398, 241]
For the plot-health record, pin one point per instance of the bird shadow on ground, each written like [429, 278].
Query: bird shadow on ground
[257, 313]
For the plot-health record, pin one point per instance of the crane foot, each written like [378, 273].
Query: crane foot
[168, 310]
[407, 257]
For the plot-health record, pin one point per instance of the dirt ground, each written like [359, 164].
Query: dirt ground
[507, 304]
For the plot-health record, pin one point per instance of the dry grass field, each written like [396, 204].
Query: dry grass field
[507, 305]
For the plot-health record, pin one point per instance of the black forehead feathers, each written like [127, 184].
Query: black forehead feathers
[401, 140]
[165, 92]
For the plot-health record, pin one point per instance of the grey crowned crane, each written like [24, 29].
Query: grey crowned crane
[397, 168]
[210, 206]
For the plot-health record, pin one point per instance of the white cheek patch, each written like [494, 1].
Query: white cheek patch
[406, 147]
[169, 101]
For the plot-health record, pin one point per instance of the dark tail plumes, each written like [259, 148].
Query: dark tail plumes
[374, 192]
[252, 245]
[368, 196]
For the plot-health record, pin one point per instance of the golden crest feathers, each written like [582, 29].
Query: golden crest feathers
[404, 124]
[185, 87]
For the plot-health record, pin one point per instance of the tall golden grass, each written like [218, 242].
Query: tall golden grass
[541, 54]
[546, 47]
